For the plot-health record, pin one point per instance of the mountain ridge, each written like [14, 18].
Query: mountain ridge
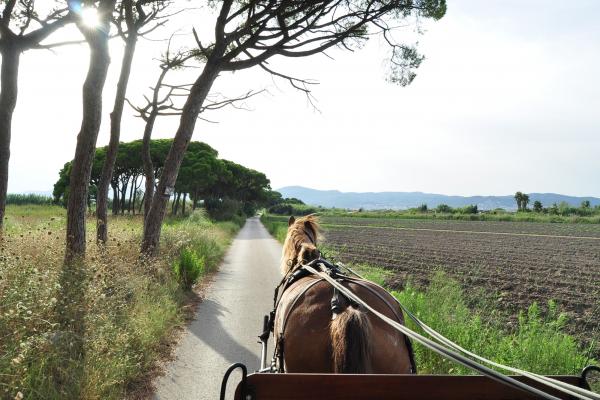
[404, 200]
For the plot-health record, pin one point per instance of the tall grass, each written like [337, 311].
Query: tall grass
[93, 330]
[277, 226]
[28, 199]
[537, 343]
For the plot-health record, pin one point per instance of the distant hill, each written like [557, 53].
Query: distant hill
[404, 200]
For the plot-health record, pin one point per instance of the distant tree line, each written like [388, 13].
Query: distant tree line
[223, 187]
[288, 206]
[446, 209]
[563, 208]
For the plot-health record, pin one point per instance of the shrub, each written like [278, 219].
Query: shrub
[291, 209]
[444, 208]
[470, 209]
[189, 268]
[224, 209]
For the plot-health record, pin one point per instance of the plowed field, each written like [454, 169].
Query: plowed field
[516, 263]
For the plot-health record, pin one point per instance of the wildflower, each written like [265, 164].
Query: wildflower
[19, 396]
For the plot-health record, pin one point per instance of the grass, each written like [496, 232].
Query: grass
[276, 225]
[93, 330]
[537, 343]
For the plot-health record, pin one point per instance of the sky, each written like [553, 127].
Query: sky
[507, 99]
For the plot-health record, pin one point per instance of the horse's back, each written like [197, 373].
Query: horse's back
[303, 321]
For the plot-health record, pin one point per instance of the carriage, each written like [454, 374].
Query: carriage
[304, 270]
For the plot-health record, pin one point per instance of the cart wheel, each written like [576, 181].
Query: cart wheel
[586, 371]
[226, 378]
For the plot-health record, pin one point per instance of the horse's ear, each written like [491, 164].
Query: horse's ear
[308, 225]
[291, 220]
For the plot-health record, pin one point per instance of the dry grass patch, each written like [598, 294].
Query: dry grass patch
[94, 329]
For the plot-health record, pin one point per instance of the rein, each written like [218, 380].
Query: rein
[448, 349]
[338, 301]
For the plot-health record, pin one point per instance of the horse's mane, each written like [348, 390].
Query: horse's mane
[298, 245]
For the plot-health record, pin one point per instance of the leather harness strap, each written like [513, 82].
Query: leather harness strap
[339, 302]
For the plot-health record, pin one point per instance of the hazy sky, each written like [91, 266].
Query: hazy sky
[507, 99]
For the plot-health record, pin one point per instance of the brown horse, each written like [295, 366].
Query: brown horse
[318, 330]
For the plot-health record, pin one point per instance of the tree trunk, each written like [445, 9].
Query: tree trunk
[124, 186]
[86, 139]
[131, 192]
[8, 101]
[183, 204]
[115, 205]
[115, 134]
[147, 160]
[176, 204]
[142, 203]
[187, 123]
[135, 191]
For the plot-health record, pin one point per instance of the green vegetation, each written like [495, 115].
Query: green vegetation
[560, 214]
[228, 190]
[556, 213]
[535, 342]
[120, 309]
[28, 199]
[288, 206]
[277, 226]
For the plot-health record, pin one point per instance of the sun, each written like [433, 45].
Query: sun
[90, 17]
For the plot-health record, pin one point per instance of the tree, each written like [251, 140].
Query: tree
[202, 177]
[519, 200]
[537, 206]
[97, 40]
[21, 29]
[249, 33]
[444, 209]
[161, 104]
[524, 201]
[135, 15]
[586, 205]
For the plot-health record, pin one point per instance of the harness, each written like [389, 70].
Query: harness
[339, 302]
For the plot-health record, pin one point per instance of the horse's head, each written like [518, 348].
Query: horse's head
[300, 244]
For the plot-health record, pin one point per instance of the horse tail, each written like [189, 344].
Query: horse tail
[349, 339]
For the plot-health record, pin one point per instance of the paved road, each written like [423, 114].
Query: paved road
[228, 320]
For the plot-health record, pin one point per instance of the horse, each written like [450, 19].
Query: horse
[318, 330]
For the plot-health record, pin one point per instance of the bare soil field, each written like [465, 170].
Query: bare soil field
[515, 263]
[534, 228]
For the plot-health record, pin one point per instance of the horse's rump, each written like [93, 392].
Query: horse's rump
[309, 341]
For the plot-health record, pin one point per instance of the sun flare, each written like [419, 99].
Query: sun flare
[89, 16]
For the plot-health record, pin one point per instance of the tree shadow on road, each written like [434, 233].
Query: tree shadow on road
[209, 328]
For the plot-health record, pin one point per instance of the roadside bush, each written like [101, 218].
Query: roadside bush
[189, 268]
[277, 226]
[200, 217]
[224, 209]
